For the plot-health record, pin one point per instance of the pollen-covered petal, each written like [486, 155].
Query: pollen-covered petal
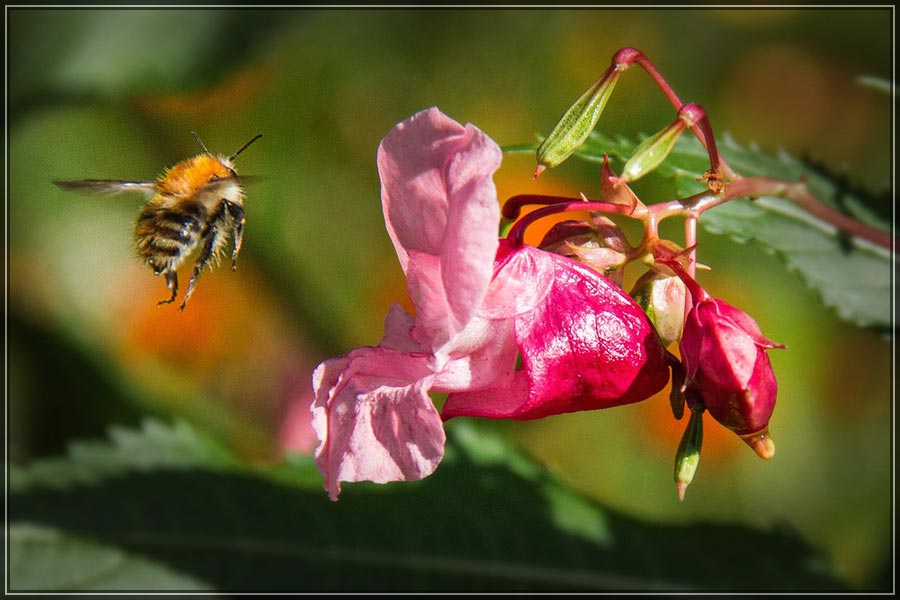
[374, 419]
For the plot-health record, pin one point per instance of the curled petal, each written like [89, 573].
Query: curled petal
[724, 354]
[522, 281]
[484, 356]
[441, 211]
[374, 419]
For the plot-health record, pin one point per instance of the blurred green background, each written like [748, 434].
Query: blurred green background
[114, 93]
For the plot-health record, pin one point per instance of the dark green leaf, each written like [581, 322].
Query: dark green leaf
[43, 559]
[488, 519]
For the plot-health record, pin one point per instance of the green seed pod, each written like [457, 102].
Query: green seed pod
[576, 125]
[651, 152]
[688, 456]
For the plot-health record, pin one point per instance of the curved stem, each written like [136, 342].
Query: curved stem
[703, 133]
[513, 206]
[516, 234]
[800, 195]
[753, 187]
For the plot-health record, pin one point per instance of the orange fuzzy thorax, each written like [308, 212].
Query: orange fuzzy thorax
[188, 176]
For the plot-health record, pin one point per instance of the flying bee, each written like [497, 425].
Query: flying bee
[198, 203]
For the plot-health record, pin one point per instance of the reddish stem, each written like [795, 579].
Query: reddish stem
[800, 195]
[516, 234]
[513, 207]
[627, 56]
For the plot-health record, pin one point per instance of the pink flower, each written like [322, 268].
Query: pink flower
[372, 413]
[585, 345]
[479, 303]
[725, 362]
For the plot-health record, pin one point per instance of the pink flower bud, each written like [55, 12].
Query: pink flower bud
[724, 355]
[726, 366]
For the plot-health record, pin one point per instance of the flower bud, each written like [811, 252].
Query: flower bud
[724, 355]
[576, 125]
[663, 299]
[687, 458]
[600, 245]
[606, 261]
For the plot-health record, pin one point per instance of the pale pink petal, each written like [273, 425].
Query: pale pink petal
[374, 418]
[411, 161]
[442, 214]
[483, 355]
[398, 325]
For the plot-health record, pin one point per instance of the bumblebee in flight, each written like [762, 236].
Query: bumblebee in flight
[198, 203]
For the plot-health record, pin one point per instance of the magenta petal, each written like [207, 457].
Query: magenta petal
[728, 354]
[501, 402]
[746, 323]
[374, 419]
[442, 214]
[586, 346]
[746, 410]
[690, 344]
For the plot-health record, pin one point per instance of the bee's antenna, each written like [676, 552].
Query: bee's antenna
[244, 147]
[199, 141]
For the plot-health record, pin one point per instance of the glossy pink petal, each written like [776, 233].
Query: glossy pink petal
[522, 280]
[586, 346]
[374, 419]
[441, 211]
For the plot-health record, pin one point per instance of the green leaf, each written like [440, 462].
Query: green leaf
[850, 275]
[155, 446]
[488, 519]
[46, 559]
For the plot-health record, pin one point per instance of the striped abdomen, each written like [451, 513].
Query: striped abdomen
[167, 231]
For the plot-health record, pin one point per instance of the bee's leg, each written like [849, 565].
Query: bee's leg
[210, 242]
[236, 213]
[172, 285]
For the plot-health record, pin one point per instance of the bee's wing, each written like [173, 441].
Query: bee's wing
[107, 186]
